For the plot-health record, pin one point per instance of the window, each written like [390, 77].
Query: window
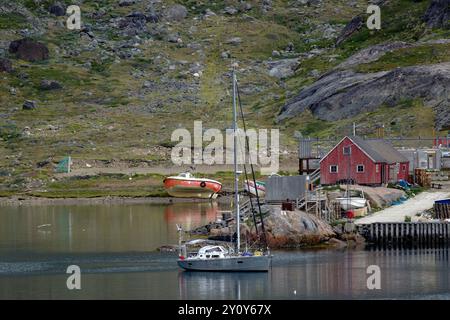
[404, 168]
[377, 168]
[333, 168]
[347, 151]
[360, 168]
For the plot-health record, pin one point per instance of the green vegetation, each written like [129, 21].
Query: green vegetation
[106, 111]
[12, 21]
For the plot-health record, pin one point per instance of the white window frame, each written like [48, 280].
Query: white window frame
[363, 168]
[377, 168]
[334, 165]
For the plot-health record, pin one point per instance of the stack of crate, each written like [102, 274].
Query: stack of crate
[423, 177]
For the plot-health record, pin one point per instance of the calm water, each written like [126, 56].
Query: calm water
[114, 245]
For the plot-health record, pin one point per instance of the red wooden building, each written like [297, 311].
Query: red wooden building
[367, 162]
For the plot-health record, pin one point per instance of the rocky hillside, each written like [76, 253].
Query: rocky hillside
[138, 69]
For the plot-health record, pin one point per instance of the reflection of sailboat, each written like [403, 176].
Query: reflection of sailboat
[230, 286]
[216, 257]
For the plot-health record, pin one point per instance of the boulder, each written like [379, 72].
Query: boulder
[29, 105]
[57, 9]
[235, 41]
[5, 65]
[28, 49]
[177, 12]
[230, 11]
[438, 14]
[50, 85]
[282, 69]
[126, 3]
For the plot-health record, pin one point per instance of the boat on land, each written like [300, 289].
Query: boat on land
[249, 186]
[349, 202]
[219, 257]
[187, 186]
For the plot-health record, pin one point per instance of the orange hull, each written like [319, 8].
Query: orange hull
[192, 187]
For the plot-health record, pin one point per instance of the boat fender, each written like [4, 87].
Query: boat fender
[203, 184]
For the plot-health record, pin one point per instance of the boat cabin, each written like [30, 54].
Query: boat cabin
[209, 252]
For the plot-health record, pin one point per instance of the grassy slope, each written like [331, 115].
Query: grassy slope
[100, 112]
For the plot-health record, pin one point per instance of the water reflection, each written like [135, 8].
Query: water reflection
[98, 228]
[114, 246]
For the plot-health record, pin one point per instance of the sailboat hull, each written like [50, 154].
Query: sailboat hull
[230, 264]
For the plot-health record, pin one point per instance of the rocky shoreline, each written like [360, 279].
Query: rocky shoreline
[33, 201]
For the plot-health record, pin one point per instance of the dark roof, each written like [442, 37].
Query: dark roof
[379, 150]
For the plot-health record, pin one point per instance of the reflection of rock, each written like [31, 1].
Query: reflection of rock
[438, 14]
[28, 49]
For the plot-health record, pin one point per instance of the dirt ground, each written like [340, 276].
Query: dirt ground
[411, 207]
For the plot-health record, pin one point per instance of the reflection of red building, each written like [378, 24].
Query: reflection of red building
[369, 162]
[190, 215]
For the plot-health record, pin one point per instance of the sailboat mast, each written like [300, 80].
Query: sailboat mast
[236, 175]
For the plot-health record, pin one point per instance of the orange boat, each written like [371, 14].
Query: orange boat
[186, 186]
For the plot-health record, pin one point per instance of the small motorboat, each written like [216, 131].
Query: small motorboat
[348, 202]
[249, 186]
[187, 186]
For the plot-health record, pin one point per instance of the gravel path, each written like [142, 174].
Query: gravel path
[411, 207]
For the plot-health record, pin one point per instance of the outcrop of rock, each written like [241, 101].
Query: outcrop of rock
[353, 26]
[28, 49]
[345, 93]
[438, 14]
[295, 228]
[372, 53]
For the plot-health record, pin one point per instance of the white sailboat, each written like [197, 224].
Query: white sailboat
[217, 257]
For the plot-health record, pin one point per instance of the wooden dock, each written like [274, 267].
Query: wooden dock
[406, 233]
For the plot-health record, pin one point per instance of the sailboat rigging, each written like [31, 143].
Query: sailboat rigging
[217, 257]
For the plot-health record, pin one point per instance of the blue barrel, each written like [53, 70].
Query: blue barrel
[444, 201]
